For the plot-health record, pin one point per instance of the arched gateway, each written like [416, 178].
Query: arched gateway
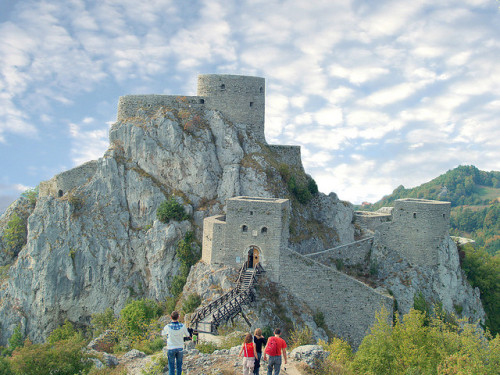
[253, 256]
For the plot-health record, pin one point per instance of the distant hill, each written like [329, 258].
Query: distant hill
[475, 202]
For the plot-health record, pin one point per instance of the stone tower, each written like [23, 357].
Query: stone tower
[417, 229]
[254, 229]
[240, 98]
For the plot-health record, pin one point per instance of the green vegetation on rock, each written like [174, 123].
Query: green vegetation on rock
[171, 210]
[14, 236]
[415, 344]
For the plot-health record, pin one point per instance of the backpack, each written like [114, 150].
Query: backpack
[272, 348]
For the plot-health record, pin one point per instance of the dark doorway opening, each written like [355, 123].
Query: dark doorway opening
[253, 256]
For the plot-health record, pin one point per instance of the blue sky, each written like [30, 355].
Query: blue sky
[377, 93]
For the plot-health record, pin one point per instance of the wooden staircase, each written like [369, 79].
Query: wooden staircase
[207, 319]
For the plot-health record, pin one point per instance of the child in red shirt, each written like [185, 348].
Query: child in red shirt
[250, 353]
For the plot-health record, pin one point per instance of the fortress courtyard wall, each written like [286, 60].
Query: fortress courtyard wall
[348, 305]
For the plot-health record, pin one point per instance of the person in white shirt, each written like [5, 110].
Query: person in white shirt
[175, 332]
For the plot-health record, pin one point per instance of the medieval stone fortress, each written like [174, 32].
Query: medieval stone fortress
[211, 151]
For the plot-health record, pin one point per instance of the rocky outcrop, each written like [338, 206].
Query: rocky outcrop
[443, 285]
[94, 241]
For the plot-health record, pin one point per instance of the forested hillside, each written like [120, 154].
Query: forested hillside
[475, 202]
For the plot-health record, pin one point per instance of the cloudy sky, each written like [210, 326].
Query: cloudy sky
[377, 93]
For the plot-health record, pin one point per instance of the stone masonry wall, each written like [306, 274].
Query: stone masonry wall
[68, 180]
[371, 220]
[351, 254]
[214, 230]
[418, 227]
[348, 305]
[261, 222]
[130, 105]
[289, 155]
[240, 98]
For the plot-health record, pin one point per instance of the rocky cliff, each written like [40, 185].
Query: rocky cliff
[93, 239]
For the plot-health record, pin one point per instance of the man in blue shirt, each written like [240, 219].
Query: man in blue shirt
[175, 332]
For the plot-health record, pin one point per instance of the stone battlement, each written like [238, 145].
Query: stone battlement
[241, 99]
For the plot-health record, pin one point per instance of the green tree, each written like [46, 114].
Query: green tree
[64, 332]
[14, 236]
[171, 210]
[17, 338]
[483, 272]
[136, 315]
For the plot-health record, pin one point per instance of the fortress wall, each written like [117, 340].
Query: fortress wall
[350, 254]
[349, 306]
[66, 181]
[289, 155]
[240, 98]
[213, 239]
[261, 222]
[129, 105]
[418, 227]
[371, 220]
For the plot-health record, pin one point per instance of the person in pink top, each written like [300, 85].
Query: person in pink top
[250, 353]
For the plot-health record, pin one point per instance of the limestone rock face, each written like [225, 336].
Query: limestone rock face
[93, 239]
[443, 284]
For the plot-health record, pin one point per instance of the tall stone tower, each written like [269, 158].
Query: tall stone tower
[417, 229]
[253, 230]
[240, 98]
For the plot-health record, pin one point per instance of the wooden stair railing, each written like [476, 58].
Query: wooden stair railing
[228, 305]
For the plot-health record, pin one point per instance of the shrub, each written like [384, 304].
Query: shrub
[138, 314]
[100, 322]
[5, 368]
[170, 210]
[64, 332]
[64, 357]
[76, 201]
[413, 347]
[207, 347]
[17, 338]
[312, 186]
[14, 236]
[191, 303]
[31, 195]
[301, 336]
[319, 319]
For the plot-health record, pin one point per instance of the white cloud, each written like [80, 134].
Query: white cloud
[88, 143]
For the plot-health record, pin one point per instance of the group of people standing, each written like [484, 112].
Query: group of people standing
[274, 348]
[251, 350]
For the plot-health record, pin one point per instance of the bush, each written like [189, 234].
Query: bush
[136, 315]
[412, 347]
[17, 339]
[207, 347]
[14, 235]
[31, 195]
[76, 201]
[170, 210]
[191, 303]
[301, 336]
[64, 332]
[101, 322]
[312, 186]
[64, 357]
